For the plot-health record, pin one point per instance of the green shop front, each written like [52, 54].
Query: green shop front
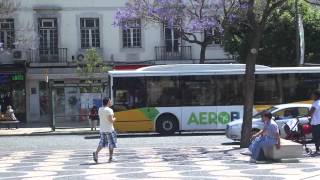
[12, 91]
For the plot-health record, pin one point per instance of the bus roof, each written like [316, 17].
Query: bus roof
[196, 67]
[203, 69]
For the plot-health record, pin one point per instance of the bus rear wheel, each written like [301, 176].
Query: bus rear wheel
[167, 124]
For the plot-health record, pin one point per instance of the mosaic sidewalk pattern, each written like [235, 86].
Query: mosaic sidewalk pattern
[222, 162]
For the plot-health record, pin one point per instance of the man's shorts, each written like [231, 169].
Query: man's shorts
[108, 139]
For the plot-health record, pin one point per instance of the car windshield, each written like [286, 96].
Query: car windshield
[258, 115]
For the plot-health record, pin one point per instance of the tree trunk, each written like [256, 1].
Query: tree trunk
[203, 54]
[249, 87]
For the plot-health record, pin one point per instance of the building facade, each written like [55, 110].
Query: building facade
[44, 41]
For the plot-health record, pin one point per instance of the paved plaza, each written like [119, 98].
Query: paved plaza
[214, 162]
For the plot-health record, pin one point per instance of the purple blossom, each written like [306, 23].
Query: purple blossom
[191, 15]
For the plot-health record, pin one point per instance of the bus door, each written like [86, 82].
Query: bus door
[198, 103]
[130, 102]
[229, 99]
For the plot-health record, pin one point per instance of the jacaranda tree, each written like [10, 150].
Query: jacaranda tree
[256, 17]
[195, 20]
[194, 17]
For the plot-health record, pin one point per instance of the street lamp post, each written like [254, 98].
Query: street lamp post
[300, 45]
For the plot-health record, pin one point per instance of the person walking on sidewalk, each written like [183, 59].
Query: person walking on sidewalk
[315, 120]
[108, 136]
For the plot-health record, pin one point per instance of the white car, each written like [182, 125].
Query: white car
[281, 113]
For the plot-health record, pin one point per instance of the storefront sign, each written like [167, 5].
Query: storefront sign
[17, 77]
[5, 78]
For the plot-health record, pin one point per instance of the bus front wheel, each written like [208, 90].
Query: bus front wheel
[167, 124]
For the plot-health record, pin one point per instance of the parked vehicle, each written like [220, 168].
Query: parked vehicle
[281, 113]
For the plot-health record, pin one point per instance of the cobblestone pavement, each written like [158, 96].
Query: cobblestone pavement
[216, 162]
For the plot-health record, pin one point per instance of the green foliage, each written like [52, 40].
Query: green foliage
[278, 46]
[92, 64]
[8, 7]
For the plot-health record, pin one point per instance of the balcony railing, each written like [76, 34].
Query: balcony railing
[179, 53]
[57, 55]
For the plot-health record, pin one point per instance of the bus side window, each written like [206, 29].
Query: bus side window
[289, 83]
[298, 86]
[229, 90]
[198, 90]
[129, 93]
[163, 91]
[267, 89]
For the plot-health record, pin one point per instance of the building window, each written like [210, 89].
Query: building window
[131, 34]
[90, 34]
[48, 32]
[172, 38]
[7, 33]
[215, 34]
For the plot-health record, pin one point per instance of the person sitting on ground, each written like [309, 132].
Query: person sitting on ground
[10, 114]
[267, 137]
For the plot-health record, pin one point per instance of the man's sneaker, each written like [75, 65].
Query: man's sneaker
[252, 160]
[111, 160]
[95, 157]
[246, 152]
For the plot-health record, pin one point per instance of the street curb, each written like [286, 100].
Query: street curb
[96, 134]
[138, 135]
[49, 134]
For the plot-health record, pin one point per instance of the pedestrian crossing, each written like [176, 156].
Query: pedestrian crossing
[216, 162]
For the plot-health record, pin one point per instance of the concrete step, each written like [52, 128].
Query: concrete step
[288, 150]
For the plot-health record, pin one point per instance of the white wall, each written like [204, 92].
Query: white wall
[70, 13]
[32, 104]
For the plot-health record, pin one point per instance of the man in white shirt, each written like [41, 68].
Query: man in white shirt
[108, 136]
[315, 119]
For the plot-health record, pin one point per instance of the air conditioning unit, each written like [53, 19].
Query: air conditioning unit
[80, 58]
[19, 55]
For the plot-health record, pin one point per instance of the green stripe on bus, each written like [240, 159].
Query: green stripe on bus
[150, 113]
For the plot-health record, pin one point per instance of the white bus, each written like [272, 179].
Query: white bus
[193, 97]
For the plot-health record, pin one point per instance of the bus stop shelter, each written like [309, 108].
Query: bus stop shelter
[71, 103]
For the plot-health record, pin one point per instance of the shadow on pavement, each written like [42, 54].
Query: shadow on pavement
[140, 135]
[90, 164]
[231, 143]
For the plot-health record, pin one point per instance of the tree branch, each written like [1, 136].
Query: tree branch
[186, 38]
[251, 15]
[268, 10]
[313, 2]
